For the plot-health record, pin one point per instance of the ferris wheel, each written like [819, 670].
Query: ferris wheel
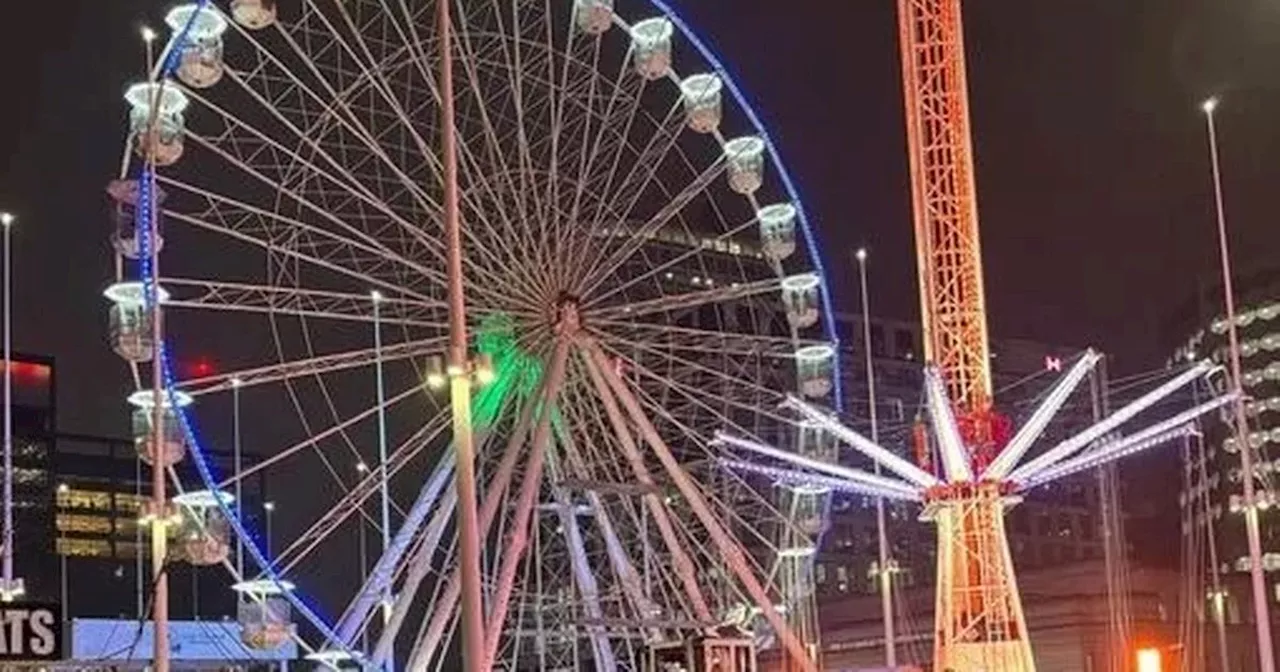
[638, 273]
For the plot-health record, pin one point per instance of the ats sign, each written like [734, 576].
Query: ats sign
[30, 631]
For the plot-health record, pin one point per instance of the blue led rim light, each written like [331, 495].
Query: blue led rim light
[810, 238]
[142, 222]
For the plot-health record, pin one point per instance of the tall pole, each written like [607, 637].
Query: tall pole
[1266, 651]
[269, 508]
[63, 589]
[237, 458]
[384, 469]
[885, 576]
[10, 588]
[473, 635]
[159, 523]
[362, 469]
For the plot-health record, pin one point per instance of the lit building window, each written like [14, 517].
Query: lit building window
[67, 522]
[94, 548]
[84, 499]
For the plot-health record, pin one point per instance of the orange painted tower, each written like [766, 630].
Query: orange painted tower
[979, 618]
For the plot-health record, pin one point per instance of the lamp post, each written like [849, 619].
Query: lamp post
[236, 384]
[63, 592]
[885, 576]
[384, 469]
[12, 587]
[362, 469]
[472, 613]
[1266, 652]
[269, 508]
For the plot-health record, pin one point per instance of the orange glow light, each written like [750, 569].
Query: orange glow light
[1149, 660]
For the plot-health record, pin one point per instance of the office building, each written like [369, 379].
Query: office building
[76, 506]
[1212, 493]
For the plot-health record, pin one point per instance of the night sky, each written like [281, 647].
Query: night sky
[1092, 171]
[1092, 175]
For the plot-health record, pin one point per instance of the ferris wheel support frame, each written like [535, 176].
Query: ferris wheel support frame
[626, 572]
[732, 553]
[433, 630]
[529, 488]
[680, 559]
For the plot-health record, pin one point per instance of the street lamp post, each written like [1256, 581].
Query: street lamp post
[1266, 652]
[12, 587]
[384, 469]
[472, 615]
[362, 469]
[237, 458]
[269, 508]
[885, 576]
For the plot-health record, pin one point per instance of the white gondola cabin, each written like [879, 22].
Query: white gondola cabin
[801, 299]
[124, 200]
[130, 320]
[204, 533]
[651, 47]
[172, 442]
[702, 96]
[745, 158]
[777, 230]
[593, 16]
[815, 367]
[253, 14]
[264, 614]
[156, 121]
[200, 64]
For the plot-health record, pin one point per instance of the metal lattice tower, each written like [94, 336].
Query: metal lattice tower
[978, 602]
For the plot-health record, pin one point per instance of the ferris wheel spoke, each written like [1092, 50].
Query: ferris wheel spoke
[311, 138]
[531, 261]
[482, 246]
[333, 173]
[414, 44]
[674, 262]
[723, 294]
[648, 229]
[425, 157]
[353, 499]
[695, 438]
[315, 438]
[321, 251]
[610, 121]
[343, 241]
[681, 561]
[619, 558]
[328, 363]
[214, 295]
[652, 335]
[623, 198]
[573, 61]
[705, 377]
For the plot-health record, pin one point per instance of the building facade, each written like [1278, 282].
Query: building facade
[1212, 493]
[76, 510]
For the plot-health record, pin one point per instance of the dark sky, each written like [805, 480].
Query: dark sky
[1090, 149]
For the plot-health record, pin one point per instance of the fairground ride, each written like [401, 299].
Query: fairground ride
[979, 618]
[328, 182]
